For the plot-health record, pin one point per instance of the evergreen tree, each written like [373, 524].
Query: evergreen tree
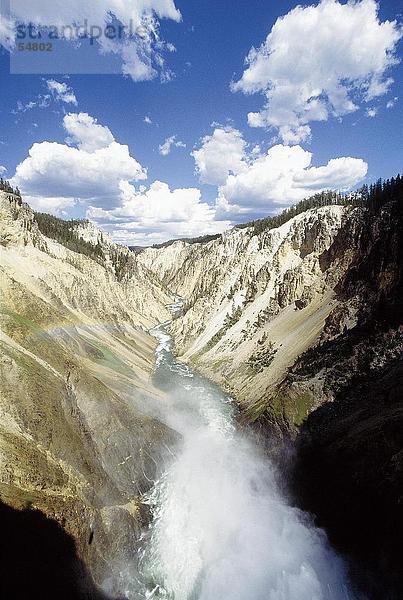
[373, 198]
[5, 186]
[65, 233]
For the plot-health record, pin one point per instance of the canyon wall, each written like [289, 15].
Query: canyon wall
[349, 459]
[255, 302]
[303, 325]
[77, 440]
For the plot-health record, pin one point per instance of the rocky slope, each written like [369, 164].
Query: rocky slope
[255, 302]
[77, 439]
[349, 453]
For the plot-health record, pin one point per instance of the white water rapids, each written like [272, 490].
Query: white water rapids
[221, 529]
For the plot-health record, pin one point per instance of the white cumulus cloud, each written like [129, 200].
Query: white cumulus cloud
[371, 112]
[58, 206]
[319, 61]
[156, 214]
[85, 132]
[282, 177]
[220, 154]
[90, 166]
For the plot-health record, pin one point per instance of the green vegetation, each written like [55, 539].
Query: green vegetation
[230, 320]
[5, 186]
[102, 355]
[251, 292]
[121, 260]
[373, 197]
[264, 317]
[219, 363]
[22, 321]
[281, 408]
[263, 357]
[301, 405]
[28, 500]
[232, 291]
[64, 233]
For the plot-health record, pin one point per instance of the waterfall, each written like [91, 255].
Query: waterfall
[221, 529]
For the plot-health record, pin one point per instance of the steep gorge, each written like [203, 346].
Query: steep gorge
[255, 303]
[295, 322]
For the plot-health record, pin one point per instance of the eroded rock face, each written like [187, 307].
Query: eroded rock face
[363, 332]
[349, 467]
[77, 439]
[17, 222]
[254, 303]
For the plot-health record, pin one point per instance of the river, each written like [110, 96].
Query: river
[221, 529]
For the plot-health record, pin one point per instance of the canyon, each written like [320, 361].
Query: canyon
[300, 324]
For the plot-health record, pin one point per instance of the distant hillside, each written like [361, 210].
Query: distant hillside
[202, 239]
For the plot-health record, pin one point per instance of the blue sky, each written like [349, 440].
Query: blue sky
[236, 174]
